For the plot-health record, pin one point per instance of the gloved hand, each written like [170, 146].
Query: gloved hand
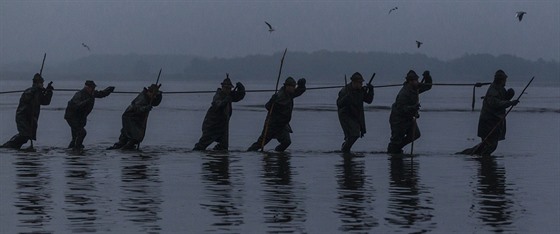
[238, 84]
[426, 76]
[49, 86]
[109, 89]
[301, 81]
[514, 102]
[369, 86]
[510, 93]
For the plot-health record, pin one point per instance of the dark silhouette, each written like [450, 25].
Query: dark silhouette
[27, 113]
[404, 111]
[350, 104]
[134, 118]
[280, 106]
[78, 109]
[492, 122]
[215, 127]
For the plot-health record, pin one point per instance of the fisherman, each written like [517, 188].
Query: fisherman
[215, 127]
[404, 111]
[280, 107]
[135, 118]
[350, 104]
[79, 108]
[27, 113]
[492, 123]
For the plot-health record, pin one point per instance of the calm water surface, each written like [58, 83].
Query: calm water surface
[167, 188]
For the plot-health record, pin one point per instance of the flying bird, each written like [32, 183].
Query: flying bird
[419, 43]
[86, 46]
[520, 14]
[270, 29]
[392, 9]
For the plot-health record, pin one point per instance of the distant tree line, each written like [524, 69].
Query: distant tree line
[326, 66]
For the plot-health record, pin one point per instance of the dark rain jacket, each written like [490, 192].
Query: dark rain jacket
[406, 103]
[493, 110]
[27, 113]
[135, 117]
[350, 105]
[80, 106]
[282, 105]
[217, 117]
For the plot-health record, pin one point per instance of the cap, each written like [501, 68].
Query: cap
[153, 88]
[357, 77]
[290, 81]
[37, 78]
[411, 75]
[500, 75]
[90, 83]
[227, 82]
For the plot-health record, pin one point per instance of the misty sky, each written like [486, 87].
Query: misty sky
[449, 29]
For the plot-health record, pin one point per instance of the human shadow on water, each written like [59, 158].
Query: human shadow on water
[220, 181]
[410, 202]
[34, 193]
[141, 191]
[284, 208]
[355, 195]
[80, 198]
[494, 205]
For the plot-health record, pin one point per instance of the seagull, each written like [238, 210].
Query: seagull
[392, 9]
[520, 14]
[87, 47]
[270, 29]
[419, 43]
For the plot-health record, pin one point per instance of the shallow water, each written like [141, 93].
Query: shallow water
[167, 188]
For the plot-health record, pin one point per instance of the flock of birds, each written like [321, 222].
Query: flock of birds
[519, 15]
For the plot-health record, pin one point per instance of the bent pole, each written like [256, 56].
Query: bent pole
[371, 79]
[151, 101]
[43, 64]
[502, 119]
[267, 121]
[40, 73]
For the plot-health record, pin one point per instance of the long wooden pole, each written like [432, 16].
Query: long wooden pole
[267, 122]
[40, 73]
[151, 101]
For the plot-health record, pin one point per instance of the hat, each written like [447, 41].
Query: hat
[227, 82]
[411, 75]
[356, 77]
[153, 87]
[290, 81]
[90, 83]
[500, 74]
[37, 78]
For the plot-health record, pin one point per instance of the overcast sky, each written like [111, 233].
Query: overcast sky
[448, 28]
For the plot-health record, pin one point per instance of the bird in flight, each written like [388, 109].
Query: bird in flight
[86, 46]
[270, 29]
[520, 14]
[419, 43]
[393, 9]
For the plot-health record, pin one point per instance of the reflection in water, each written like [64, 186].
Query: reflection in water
[284, 211]
[410, 203]
[34, 193]
[355, 196]
[223, 202]
[80, 198]
[495, 207]
[141, 191]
